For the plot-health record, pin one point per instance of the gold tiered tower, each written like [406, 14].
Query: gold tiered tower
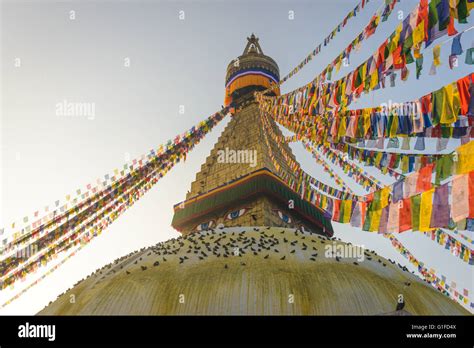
[238, 185]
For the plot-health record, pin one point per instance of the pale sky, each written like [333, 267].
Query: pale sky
[173, 62]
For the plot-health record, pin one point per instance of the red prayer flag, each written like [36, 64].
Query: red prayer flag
[405, 215]
[464, 95]
[424, 178]
[451, 29]
[336, 210]
[471, 195]
[426, 104]
[398, 58]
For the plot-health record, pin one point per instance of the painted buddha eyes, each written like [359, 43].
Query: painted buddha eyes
[235, 214]
[284, 217]
[205, 225]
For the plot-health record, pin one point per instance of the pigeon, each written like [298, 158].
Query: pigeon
[400, 305]
[355, 263]
[283, 258]
[156, 263]
[266, 257]
[143, 268]
[292, 252]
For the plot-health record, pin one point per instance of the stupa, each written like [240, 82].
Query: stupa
[250, 244]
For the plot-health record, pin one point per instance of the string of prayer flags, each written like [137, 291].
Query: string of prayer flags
[439, 283]
[442, 113]
[369, 30]
[304, 177]
[449, 243]
[421, 201]
[317, 97]
[18, 260]
[466, 238]
[363, 178]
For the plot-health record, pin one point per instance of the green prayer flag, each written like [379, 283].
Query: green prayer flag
[419, 67]
[408, 44]
[444, 168]
[433, 14]
[470, 56]
[415, 212]
[367, 220]
[409, 57]
[462, 11]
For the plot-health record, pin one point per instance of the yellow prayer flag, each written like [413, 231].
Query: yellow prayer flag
[404, 164]
[384, 196]
[396, 38]
[417, 52]
[451, 104]
[436, 54]
[426, 208]
[465, 158]
[375, 220]
[323, 203]
[347, 206]
[342, 127]
[338, 65]
[366, 116]
[364, 72]
[419, 33]
[394, 125]
[374, 79]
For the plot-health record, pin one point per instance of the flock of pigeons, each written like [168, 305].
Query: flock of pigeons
[263, 242]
